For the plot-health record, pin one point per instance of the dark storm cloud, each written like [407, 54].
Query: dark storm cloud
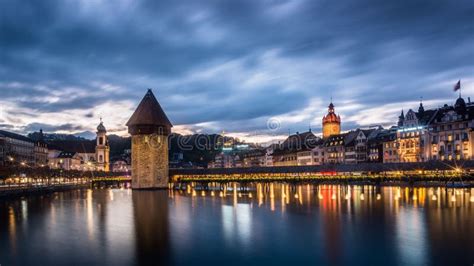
[52, 128]
[362, 50]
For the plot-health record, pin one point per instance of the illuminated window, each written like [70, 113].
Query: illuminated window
[450, 137]
[450, 157]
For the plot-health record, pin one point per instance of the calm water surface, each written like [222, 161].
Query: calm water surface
[267, 225]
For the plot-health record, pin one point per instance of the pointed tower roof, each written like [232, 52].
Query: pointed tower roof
[149, 117]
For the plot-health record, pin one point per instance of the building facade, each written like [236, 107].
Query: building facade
[253, 158]
[66, 161]
[450, 133]
[16, 149]
[295, 150]
[121, 166]
[318, 154]
[411, 132]
[334, 149]
[41, 151]
[390, 147]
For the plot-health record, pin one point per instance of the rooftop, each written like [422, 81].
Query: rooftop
[83, 146]
[12, 135]
[149, 112]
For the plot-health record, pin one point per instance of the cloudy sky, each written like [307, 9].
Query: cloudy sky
[229, 65]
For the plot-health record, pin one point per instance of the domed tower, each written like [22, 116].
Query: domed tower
[102, 149]
[150, 128]
[460, 105]
[331, 122]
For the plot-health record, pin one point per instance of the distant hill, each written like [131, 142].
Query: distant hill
[53, 137]
[199, 149]
[118, 145]
[86, 135]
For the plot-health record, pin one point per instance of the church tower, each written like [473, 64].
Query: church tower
[102, 149]
[331, 122]
[150, 128]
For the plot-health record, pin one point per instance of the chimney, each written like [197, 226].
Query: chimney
[469, 99]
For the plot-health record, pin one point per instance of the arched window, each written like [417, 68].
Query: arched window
[101, 158]
[101, 140]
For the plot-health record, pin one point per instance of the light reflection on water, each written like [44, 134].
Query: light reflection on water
[261, 224]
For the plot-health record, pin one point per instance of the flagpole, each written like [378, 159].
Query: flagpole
[460, 88]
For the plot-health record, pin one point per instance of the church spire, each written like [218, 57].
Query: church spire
[401, 119]
[421, 109]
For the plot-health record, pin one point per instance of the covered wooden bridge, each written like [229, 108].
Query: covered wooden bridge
[434, 170]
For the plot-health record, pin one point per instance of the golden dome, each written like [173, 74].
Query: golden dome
[331, 117]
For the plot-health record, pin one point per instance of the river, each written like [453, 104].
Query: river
[267, 224]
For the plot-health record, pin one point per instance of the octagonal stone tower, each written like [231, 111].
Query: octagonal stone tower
[150, 129]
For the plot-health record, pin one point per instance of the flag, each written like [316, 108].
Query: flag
[457, 86]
